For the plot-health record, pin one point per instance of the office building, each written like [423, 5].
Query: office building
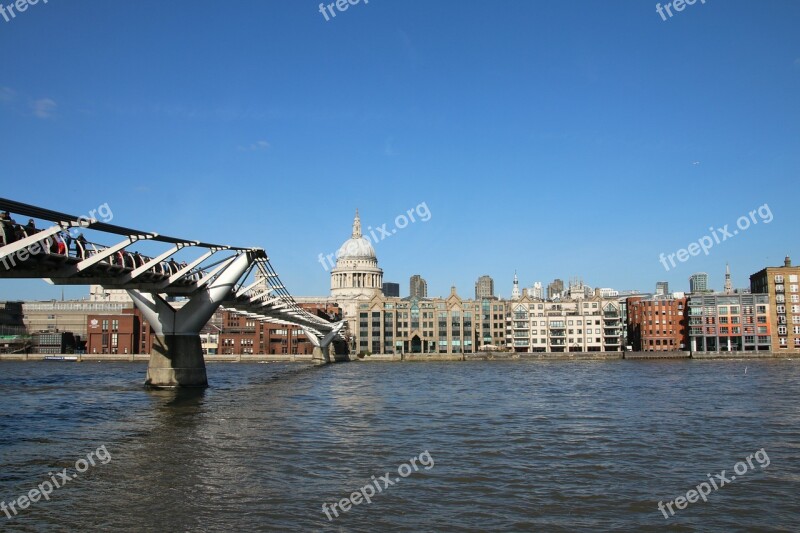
[484, 288]
[555, 289]
[782, 287]
[698, 283]
[536, 292]
[391, 289]
[438, 325]
[729, 322]
[417, 287]
[662, 288]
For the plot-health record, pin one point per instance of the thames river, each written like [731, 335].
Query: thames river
[483, 446]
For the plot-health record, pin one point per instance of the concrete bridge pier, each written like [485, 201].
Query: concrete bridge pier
[177, 356]
[321, 355]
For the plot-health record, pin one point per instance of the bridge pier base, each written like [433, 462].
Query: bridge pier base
[320, 356]
[322, 345]
[176, 361]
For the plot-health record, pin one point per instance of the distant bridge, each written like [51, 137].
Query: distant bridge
[241, 280]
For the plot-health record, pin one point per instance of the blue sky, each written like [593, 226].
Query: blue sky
[554, 138]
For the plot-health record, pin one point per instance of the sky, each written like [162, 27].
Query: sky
[552, 138]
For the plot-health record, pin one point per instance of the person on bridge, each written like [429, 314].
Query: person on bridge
[60, 246]
[66, 238]
[8, 233]
[30, 228]
[80, 246]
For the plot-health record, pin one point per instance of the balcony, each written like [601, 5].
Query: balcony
[558, 333]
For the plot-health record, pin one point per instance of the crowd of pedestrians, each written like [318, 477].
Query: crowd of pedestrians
[63, 244]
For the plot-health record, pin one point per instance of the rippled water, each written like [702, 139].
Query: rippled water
[517, 446]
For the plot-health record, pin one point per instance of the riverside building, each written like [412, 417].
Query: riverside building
[729, 322]
[585, 325]
[782, 287]
[657, 323]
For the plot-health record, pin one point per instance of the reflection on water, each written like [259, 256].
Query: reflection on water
[519, 446]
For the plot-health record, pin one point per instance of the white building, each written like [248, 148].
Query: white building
[515, 295]
[585, 325]
[607, 293]
[536, 292]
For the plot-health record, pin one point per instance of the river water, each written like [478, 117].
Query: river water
[511, 446]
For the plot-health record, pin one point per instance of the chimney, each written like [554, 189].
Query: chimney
[787, 262]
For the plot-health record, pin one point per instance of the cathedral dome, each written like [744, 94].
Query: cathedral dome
[357, 246]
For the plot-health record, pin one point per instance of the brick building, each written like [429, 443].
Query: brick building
[782, 285]
[246, 335]
[118, 334]
[657, 324]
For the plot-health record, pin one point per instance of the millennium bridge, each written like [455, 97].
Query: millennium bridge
[240, 280]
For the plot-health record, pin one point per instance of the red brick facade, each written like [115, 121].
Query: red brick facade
[247, 335]
[657, 324]
[118, 334]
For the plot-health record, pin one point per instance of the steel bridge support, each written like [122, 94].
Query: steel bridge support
[176, 359]
[322, 346]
